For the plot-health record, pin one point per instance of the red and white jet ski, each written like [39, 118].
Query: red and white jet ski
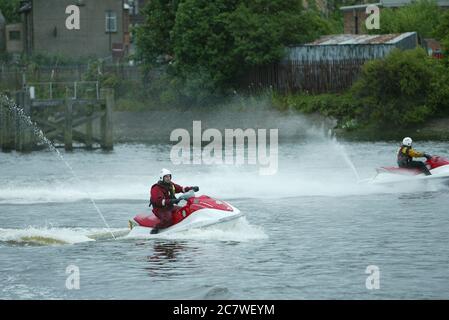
[197, 212]
[438, 167]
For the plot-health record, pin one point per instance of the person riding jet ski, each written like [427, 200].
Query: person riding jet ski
[163, 199]
[406, 154]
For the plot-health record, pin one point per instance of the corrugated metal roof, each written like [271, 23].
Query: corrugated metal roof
[352, 47]
[359, 6]
[345, 39]
[400, 3]
[389, 4]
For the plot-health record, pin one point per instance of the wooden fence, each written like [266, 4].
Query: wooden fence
[289, 76]
[304, 76]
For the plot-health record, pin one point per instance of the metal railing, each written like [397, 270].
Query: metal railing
[60, 90]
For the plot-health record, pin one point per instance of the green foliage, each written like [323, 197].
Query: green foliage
[422, 16]
[106, 79]
[404, 89]
[442, 32]
[339, 106]
[10, 10]
[153, 38]
[40, 59]
[399, 92]
[130, 104]
[210, 44]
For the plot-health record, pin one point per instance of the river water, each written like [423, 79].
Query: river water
[310, 231]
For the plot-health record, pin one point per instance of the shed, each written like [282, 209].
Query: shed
[352, 47]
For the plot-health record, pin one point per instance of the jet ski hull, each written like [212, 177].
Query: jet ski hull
[439, 174]
[199, 219]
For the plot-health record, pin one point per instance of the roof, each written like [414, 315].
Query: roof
[344, 39]
[390, 4]
[359, 6]
[401, 3]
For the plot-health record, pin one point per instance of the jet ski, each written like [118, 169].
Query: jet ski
[197, 212]
[438, 167]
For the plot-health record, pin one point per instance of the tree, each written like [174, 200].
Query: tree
[10, 10]
[422, 16]
[154, 38]
[224, 38]
[442, 32]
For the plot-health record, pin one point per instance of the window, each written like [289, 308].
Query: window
[136, 7]
[14, 35]
[134, 4]
[111, 21]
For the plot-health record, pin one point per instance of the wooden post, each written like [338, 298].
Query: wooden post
[68, 136]
[6, 130]
[23, 132]
[89, 113]
[106, 121]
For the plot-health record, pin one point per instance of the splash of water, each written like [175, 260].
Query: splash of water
[50, 235]
[4, 100]
[341, 149]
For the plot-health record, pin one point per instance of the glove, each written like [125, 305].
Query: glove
[427, 156]
[174, 201]
[196, 189]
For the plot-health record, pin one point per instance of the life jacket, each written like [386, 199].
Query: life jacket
[403, 155]
[169, 187]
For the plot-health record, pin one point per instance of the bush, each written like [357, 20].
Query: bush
[404, 89]
[339, 106]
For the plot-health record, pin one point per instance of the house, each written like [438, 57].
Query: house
[14, 43]
[355, 16]
[10, 37]
[103, 29]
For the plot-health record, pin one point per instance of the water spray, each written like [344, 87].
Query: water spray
[38, 132]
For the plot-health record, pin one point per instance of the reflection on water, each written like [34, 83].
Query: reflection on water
[165, 251]
[168, 258]
[416, 196]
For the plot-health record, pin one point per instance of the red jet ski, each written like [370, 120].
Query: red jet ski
[438, 167]
[197, 212]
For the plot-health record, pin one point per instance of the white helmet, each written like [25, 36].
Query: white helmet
[407, 142]
[163, 173]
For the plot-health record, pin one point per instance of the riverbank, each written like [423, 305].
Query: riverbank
[156, 126]
[436, 130]
[352, 122]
